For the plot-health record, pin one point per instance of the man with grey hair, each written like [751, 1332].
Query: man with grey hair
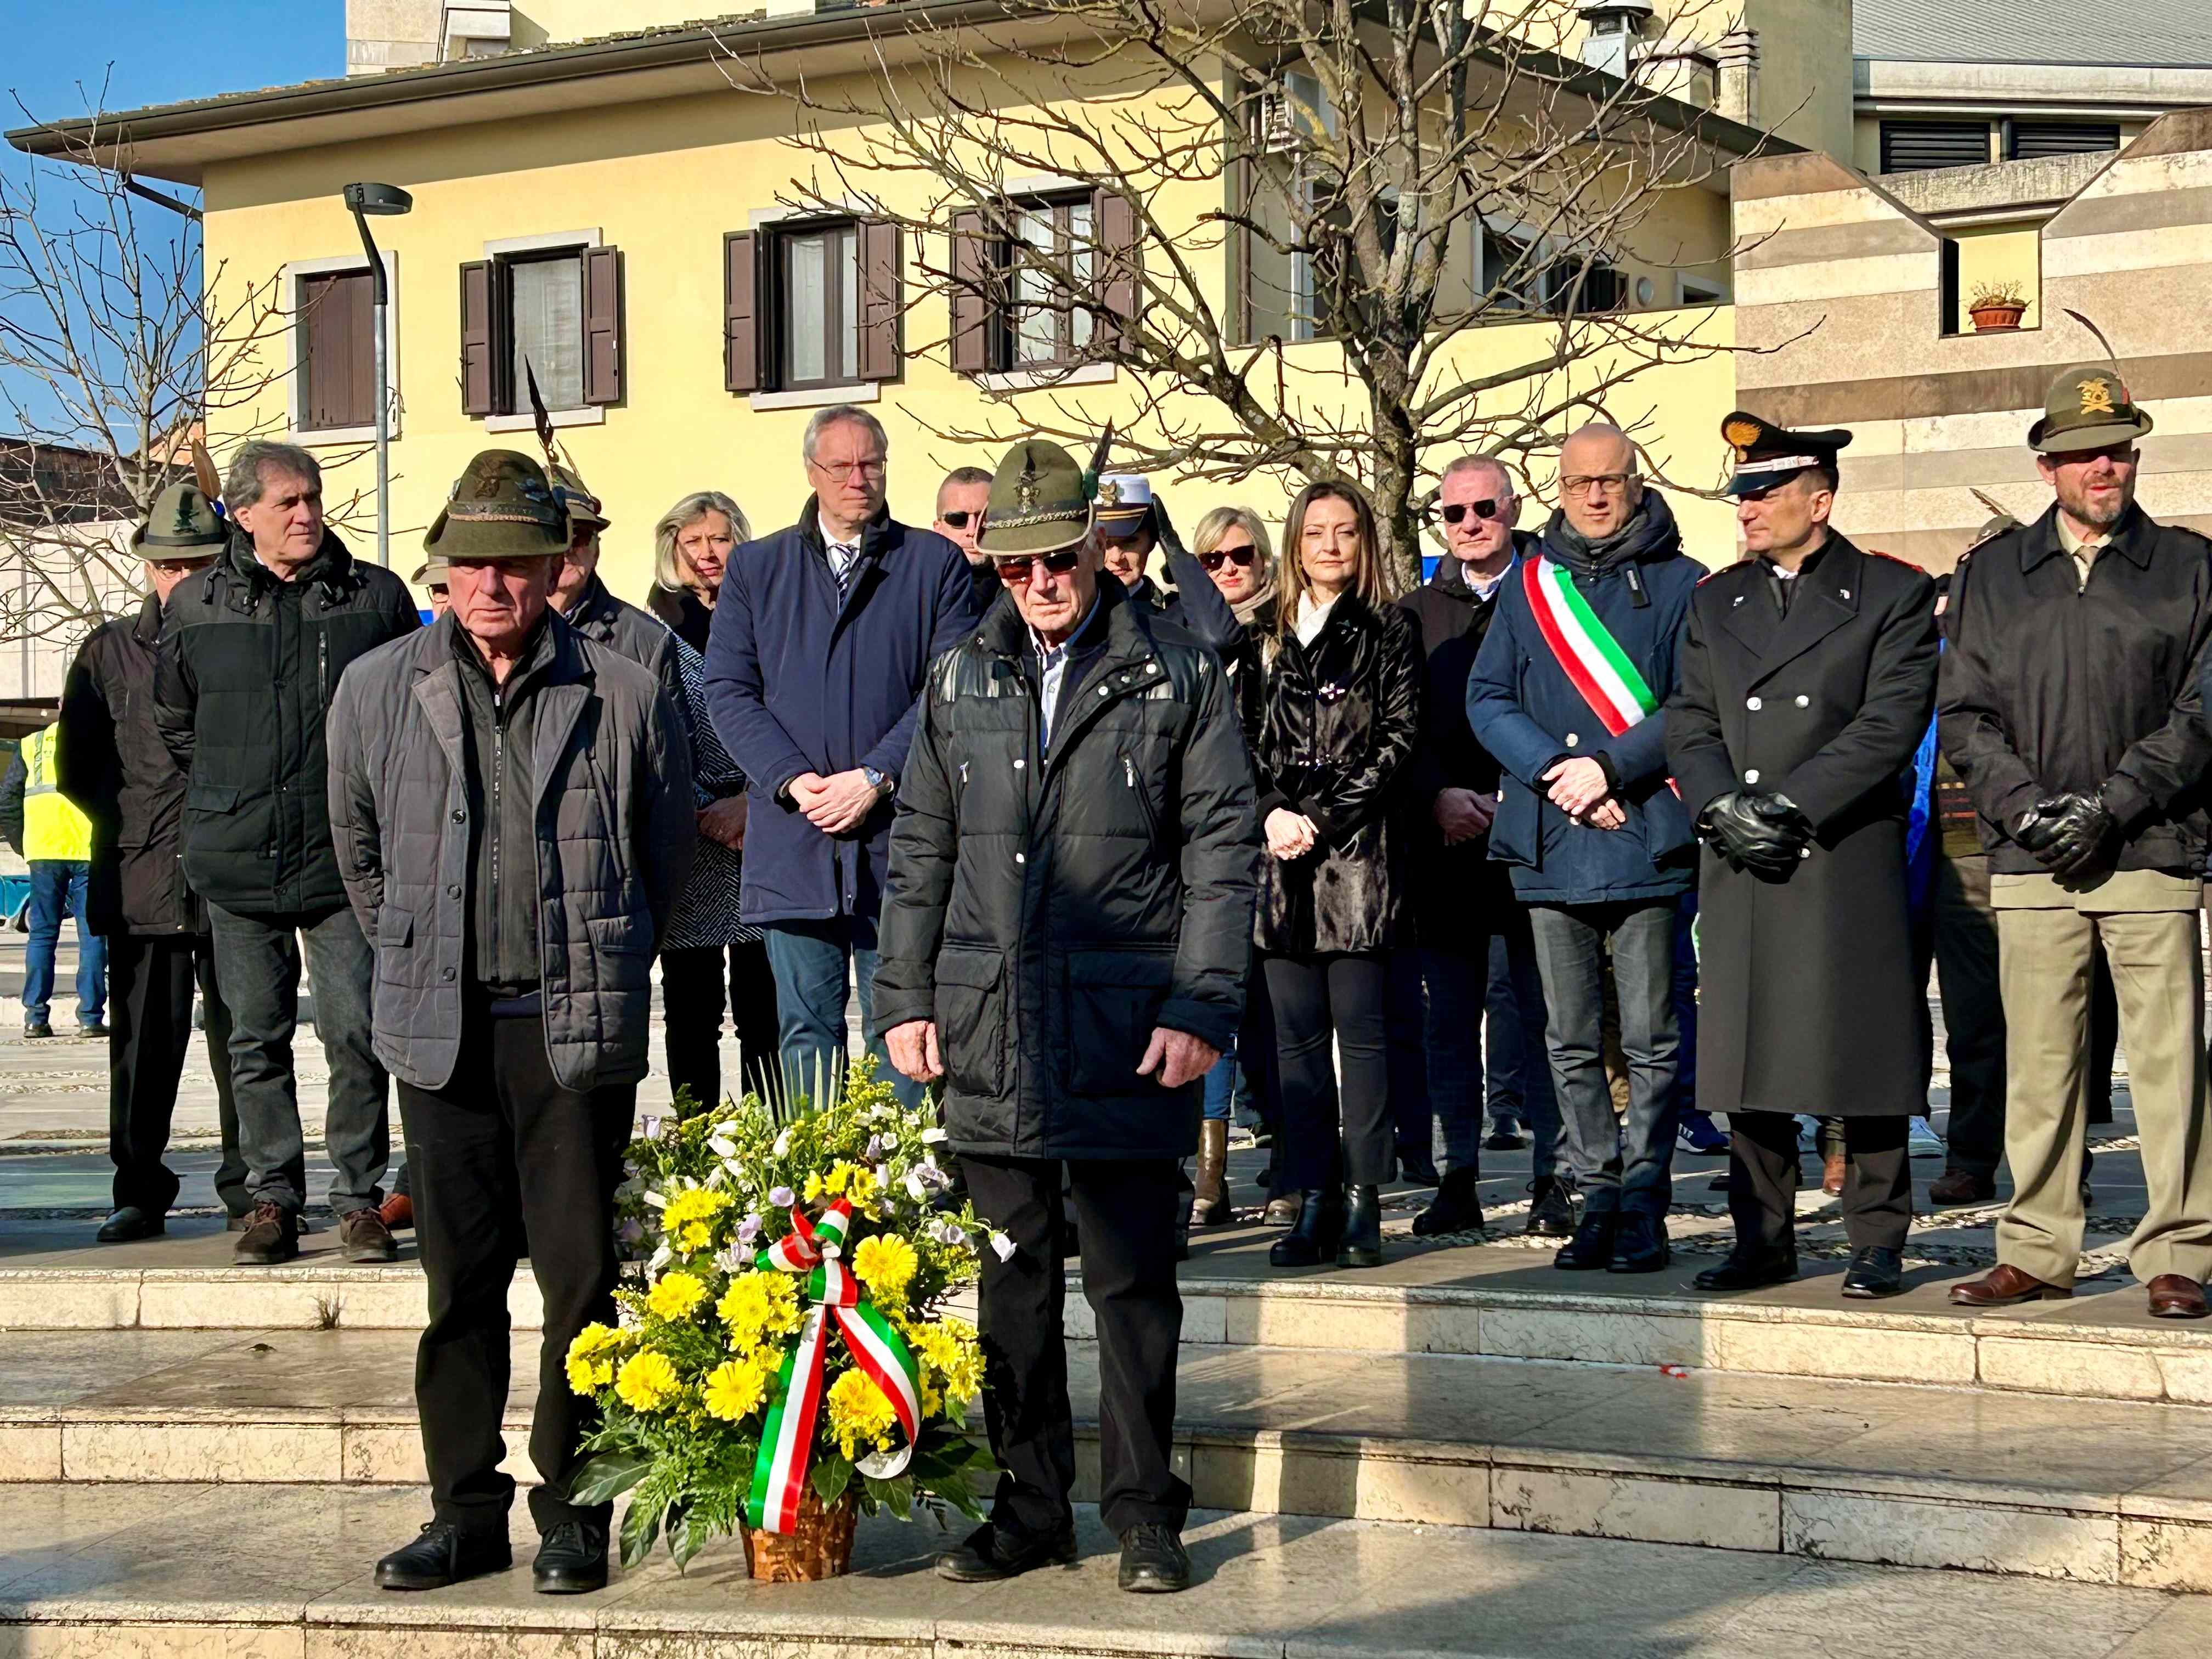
[821, 636]
[249, 658]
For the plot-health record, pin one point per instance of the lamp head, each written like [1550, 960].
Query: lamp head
[382, 201]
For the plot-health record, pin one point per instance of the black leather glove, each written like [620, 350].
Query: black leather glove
[2081, 830]
[1765, 833]
[2036, 828]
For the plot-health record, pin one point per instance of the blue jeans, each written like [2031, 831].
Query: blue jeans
[1221, 1087]
[1519, 1085]
[815, 964]
[58, 885]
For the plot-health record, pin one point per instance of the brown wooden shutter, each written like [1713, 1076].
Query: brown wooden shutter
[479, 376]
[971, 295]
[338, 342]
[879, 300]
[741, 311]
[602, 325]
[1118, 254]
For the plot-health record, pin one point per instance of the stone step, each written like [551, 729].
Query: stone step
[135, 1572]
[2094, 1492]
[1495, 1300]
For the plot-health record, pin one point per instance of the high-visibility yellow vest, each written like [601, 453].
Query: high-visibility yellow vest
[52, 829]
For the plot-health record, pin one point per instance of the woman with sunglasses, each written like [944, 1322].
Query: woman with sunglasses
[1339, 714]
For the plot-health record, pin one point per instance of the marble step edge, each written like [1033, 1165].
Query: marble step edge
[1891, 1518]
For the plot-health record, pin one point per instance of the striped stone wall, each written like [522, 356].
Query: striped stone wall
[1838, 291]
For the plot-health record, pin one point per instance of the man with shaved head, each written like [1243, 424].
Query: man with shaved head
[1568, 694]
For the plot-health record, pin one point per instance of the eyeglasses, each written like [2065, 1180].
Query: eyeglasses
[959, 520]
[1015, 572]
[871, 468]
[1242, 557]
[1608, 481]
[1453, 512]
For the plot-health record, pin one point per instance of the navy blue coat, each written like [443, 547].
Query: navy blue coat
[800, 682]
[1526, 711]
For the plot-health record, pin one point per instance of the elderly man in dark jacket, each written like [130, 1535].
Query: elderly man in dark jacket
[2072, 703]
[1066, 938]
[1567, 693]
[113, 763]
[513, 810]
[823, 634]
[250, 654]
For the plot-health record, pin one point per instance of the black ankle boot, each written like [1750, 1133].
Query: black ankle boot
[1361, 1244]
[1314, 1239]
[1456, 1207]
[1590, 1250]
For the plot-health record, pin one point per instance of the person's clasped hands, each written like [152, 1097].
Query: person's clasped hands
[1765, 833]
[2069, 833]
[1582, 789]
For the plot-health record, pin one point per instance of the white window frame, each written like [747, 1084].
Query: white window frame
[552, 242]
[290, 278]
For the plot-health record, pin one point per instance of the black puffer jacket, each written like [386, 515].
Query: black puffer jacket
[248, 666]
[1336, 734]
[1048, 916]
[113, 763]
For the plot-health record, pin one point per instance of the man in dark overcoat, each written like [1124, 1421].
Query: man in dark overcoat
[1808, 680]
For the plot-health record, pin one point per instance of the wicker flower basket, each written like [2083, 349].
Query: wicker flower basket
[820, 1546]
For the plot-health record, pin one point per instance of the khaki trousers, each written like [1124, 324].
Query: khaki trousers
[2045, 958]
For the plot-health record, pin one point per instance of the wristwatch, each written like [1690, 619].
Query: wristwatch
[882, 783]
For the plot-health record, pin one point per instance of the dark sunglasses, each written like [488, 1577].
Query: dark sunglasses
[1241, 556]
[959, 520]
[1458, 510]
[1015, 572]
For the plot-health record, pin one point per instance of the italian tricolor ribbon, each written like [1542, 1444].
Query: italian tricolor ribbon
[813, 1249]
[1585, 647]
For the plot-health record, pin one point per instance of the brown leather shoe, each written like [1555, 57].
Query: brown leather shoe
[2005, 1284]
[362, 1237]
[2176, 1296]
[399, 1211]
[1962, 1187]
[1832, 1174]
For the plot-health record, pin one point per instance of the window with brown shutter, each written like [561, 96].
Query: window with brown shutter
[602, 325]
[879, 300]
[1119, 256]
[337, 322]
[812, 305]
[478, 347]
[555, 315]
[741, 367]
[1031, 296]
[973, 296]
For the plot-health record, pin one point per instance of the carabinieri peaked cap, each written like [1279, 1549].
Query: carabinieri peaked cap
[1040, 502]
[502, 507]
[2088, 407]
[182, 524]
[1767, 454]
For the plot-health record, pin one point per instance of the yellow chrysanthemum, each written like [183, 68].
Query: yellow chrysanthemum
[758, 1306]
[647, 1381]
[690, 1218]
[951, 1358]
[593, 1339]
[886, 1264]
[735, 1390]
[675, 1297]
[586, 1375]
[860, 1416]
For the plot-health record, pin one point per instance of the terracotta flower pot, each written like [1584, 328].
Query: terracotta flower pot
[1997, 319]
[819, 1547]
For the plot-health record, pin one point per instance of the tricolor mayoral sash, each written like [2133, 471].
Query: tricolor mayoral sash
[1585, 648]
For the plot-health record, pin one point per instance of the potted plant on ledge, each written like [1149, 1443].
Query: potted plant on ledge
[1997, 308]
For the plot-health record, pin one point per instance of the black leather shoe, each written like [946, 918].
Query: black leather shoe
[1747, 1270]
[129, 1223]
[1362, 1244]
[1640, 1246]
[1314, 1239]
[443, 1555]
[1590, 1250]
[1875, 1271]
[1417, 1166]
[990, 1553]
[1553, 1212]
[37, 1031]
[572, 1561]
[1154, 1559]
[1456, 1207]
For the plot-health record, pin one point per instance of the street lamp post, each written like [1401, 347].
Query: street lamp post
[384, 201]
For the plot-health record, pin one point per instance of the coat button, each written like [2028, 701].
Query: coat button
[448, 974]
[1804, 701]
[1019, 764]
[1572, 739]
[1754, 704]
[1752, 776]
[454, 891]
[459, 817]
[1021, 857]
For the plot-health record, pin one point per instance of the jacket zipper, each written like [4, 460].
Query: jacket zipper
[498, 773]
[1144, 796]
[323, 668]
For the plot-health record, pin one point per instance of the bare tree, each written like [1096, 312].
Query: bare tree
[1389, 175]
[118, 349]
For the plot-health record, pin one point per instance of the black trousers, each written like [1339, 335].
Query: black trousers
[1343, 996]
[150, 980]
[503, 1160]
[1763, 1180]
[692, 1001]
[1126, 1212]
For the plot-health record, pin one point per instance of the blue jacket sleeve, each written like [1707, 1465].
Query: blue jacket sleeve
[1200, 611]
[1493, 699]
[736, 695]
[952, 615]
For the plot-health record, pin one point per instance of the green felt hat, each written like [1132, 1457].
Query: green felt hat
[502, 507]
[1040, 502]
[2088, 407]
[182, 524]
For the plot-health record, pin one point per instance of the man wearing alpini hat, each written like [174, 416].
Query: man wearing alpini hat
[1066, 934]
[2072, 705]
[512, 805]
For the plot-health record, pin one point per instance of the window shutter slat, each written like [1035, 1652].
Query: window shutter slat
[879, 300]
[1117, 254]
[741, 312]
[359, 347]
[602, 325]
[1920, 146]
[476, 359]
[971, 295]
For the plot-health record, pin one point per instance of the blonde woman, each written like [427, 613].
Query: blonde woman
[1339, 713]
[691, 549]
